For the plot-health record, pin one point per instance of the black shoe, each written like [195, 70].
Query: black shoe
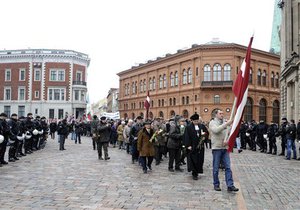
[4, 162]
[183, 162]
[195, 177]
[240, 150]
[16, 158]
[107, 158]
[145, 171]
[63, 149]
[232, 189]
[11, 160]
[217, 188]
[157, 163]
[254, 150]
[171, 169]
[262, 151]
[274, 153]
[281, 154]
[179, 169]
[22, 154]
[269, 153]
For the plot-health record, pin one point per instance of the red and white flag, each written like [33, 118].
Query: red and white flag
[240, 90]
[147, 102]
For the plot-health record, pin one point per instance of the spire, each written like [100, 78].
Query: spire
[275, 41]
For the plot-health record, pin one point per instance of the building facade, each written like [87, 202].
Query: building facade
[290, 61]
[112, 100]
[50, 83]
[200, 79]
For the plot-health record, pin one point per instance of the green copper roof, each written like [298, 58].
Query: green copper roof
[275, 41]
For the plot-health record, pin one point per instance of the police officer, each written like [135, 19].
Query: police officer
[14, 131]
[4, 129]
[282, 131]
[104, 130]
[253, 134]
[262, 130]
[63, 132]
[272, 132]
[28, 123]
[43, 132]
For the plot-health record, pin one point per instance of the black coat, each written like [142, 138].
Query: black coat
[104, 131]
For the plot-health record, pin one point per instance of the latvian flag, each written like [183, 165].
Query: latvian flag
[147, 102]
[240, 90]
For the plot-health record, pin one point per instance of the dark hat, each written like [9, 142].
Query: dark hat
[103, 118]
[14, 115]
[139, 117]
[3, 114]
[43, 118]
[147, 122]
[95, 117]
[37, 117]
[29, 114]
[195, 117]
[284, 118]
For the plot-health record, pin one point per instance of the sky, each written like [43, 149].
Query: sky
[118, 34]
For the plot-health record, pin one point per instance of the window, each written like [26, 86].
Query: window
[36, 111]
[51, 113]
[276, 111]
[217, 99]
[174, 101]
[185, 114]
[36, 94]
[170, 102]
[182, 100]
[152, 103]
[176, 78]
[57, 75]
[259, 77]
[7, 110]
[7, 74]
[150, 84]
[172, 79]
[227, 72]
[21, 94]
[187, 100]
[207, 73]
[272, 79]
[248, 117]
[22, 75]
[162, 102]
[165, 81]
[263, 110]
[197, 71]
[78, 75]
[217, 72]
[264, 78]
[160, 82]
[134, 88]
[277, 80]
[141, 86]
[196, 98]
[154, 84]
[145, 85]
[7, 93]
[190, 76]
[37, 74]
[184, 77]
[21, 111]
[250, 76]
[60, 114]
[76, 95]
[158, 102]
[56, 94]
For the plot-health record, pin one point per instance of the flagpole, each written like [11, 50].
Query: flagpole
[231, 117]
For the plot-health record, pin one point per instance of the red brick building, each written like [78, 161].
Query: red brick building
[50, 83]
[200, 79]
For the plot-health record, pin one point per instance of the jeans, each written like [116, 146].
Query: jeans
[73, 136]
[291, 146]
[61, 142]
[238, 143]
[218, 156]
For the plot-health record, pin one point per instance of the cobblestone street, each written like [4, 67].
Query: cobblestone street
[76, 179]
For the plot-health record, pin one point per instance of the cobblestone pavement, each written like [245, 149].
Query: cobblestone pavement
[76, 179]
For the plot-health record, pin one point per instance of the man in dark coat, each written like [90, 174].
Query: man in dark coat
[14, 131]
[104, 130]
[272, 131]
[194, 143]
[282, 132]
[134, 137]
[63, 132]
[5, 132]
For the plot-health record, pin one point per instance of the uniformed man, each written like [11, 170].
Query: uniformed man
[104, 130]
[14, 131]
[5, 132]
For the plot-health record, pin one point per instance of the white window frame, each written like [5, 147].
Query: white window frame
[78, 99]
[56, 75]
[19, 93]
[60, 95]
[36, 94]
[20, 74]
[37, 70]
[6, 71]
[7, 88]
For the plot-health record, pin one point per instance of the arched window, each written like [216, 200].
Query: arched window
[276, 110]
[251, 76]
[160, 82]
[263, 110]
[272, 79]
[217, 99]
[136, 87]
[174, 101]
[158, 102]
[176, 78]
[207, 73]
[264, 78]
[190, 75]
[172, 79]
[277, 80]
[145, 85]
[133, 88]
[162, 102]
[185, 114]
[227, 72]
[196, 98]
[187, 100]
[125, 115]
[141, 86]
[217, 72]
[248, 113]
[125, 90]
[170, 102]
[165, 81]
[150, 84]
[154, 84]
[172, 113]
[183, 100]
[161, 114]
[132, 116]
[259, 77]
[152, 103]
[184, 77]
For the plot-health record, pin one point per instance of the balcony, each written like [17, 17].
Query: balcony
[216, 84]
[82, 83]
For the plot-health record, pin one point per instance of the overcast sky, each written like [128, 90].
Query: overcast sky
[118, 34]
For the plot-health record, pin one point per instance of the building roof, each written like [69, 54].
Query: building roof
[214, 44]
